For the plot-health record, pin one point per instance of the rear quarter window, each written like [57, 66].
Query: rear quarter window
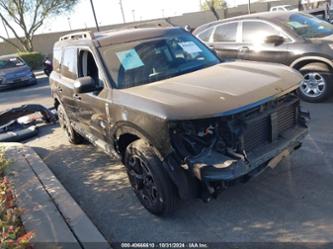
[69, 63]
[205, 35]
[57, 59]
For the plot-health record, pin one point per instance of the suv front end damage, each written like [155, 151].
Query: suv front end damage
[177, 117]
[235, 147]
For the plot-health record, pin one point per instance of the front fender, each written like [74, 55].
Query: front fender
[155, 137]
[172, 167]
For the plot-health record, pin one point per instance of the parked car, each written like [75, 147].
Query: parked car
[15, 73]
[182, 123]
[298, 40]
[284, 8]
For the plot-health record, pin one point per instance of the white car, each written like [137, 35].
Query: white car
[284, 8]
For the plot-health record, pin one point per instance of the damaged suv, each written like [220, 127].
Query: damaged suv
[183, 124]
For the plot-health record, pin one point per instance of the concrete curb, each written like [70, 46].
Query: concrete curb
[49, 210]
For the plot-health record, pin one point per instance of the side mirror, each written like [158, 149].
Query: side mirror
[274, 39]
[212, 49]
[188, 28]
[84, 85]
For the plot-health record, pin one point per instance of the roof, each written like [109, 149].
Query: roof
[128, 35]
[279, 6]
[110, 37]
[275, 15]
[8, 56]
[264, 15]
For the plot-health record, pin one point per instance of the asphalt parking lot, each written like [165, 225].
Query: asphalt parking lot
[292, 203]
[36, 94]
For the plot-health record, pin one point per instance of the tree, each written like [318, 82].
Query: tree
[213, 5]
[24, 17]
[216, 4]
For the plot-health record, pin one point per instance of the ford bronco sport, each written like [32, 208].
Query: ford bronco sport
[183, 124]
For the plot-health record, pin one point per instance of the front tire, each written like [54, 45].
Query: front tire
[317, 84]
[72, 135]
[148, 178]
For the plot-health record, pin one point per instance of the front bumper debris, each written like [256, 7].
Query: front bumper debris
[212, 166]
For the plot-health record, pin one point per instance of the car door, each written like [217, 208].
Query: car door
[66, 79]
[225, 41]
[92, 106]
[254, 47]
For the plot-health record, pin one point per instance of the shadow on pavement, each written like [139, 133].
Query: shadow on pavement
[286, 204]
[293, 202]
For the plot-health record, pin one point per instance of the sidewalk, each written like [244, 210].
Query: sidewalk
[49, 210]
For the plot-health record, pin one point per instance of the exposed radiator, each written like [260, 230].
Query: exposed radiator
[263, 130]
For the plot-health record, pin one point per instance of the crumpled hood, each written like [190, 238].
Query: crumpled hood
[219, 90]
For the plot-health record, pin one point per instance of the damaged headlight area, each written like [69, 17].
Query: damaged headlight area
[189, 138]
[230, 147]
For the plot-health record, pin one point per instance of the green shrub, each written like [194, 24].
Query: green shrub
[33, 59]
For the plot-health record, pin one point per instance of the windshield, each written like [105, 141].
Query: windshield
[10, 62]
[142, 62]
[309, 26]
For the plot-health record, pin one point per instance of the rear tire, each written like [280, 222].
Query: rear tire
[72, 136]
[317, 84]
[149, 179]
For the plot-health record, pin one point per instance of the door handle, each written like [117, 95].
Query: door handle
[76, 97]
[244, 49]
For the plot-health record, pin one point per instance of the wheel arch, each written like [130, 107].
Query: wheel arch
[126, 133]
[320, 65]
[304, 61]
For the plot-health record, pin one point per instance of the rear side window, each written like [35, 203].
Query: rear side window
[226, 32]
[69, 63]
[10, 62]
[204, 36]
[56, 59]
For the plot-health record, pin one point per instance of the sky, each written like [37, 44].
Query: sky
[108, 12]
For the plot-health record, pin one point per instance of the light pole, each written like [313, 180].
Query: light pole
[249, 7]
[93, 10]
[133, 15]
[122, 10]
[69, 23]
